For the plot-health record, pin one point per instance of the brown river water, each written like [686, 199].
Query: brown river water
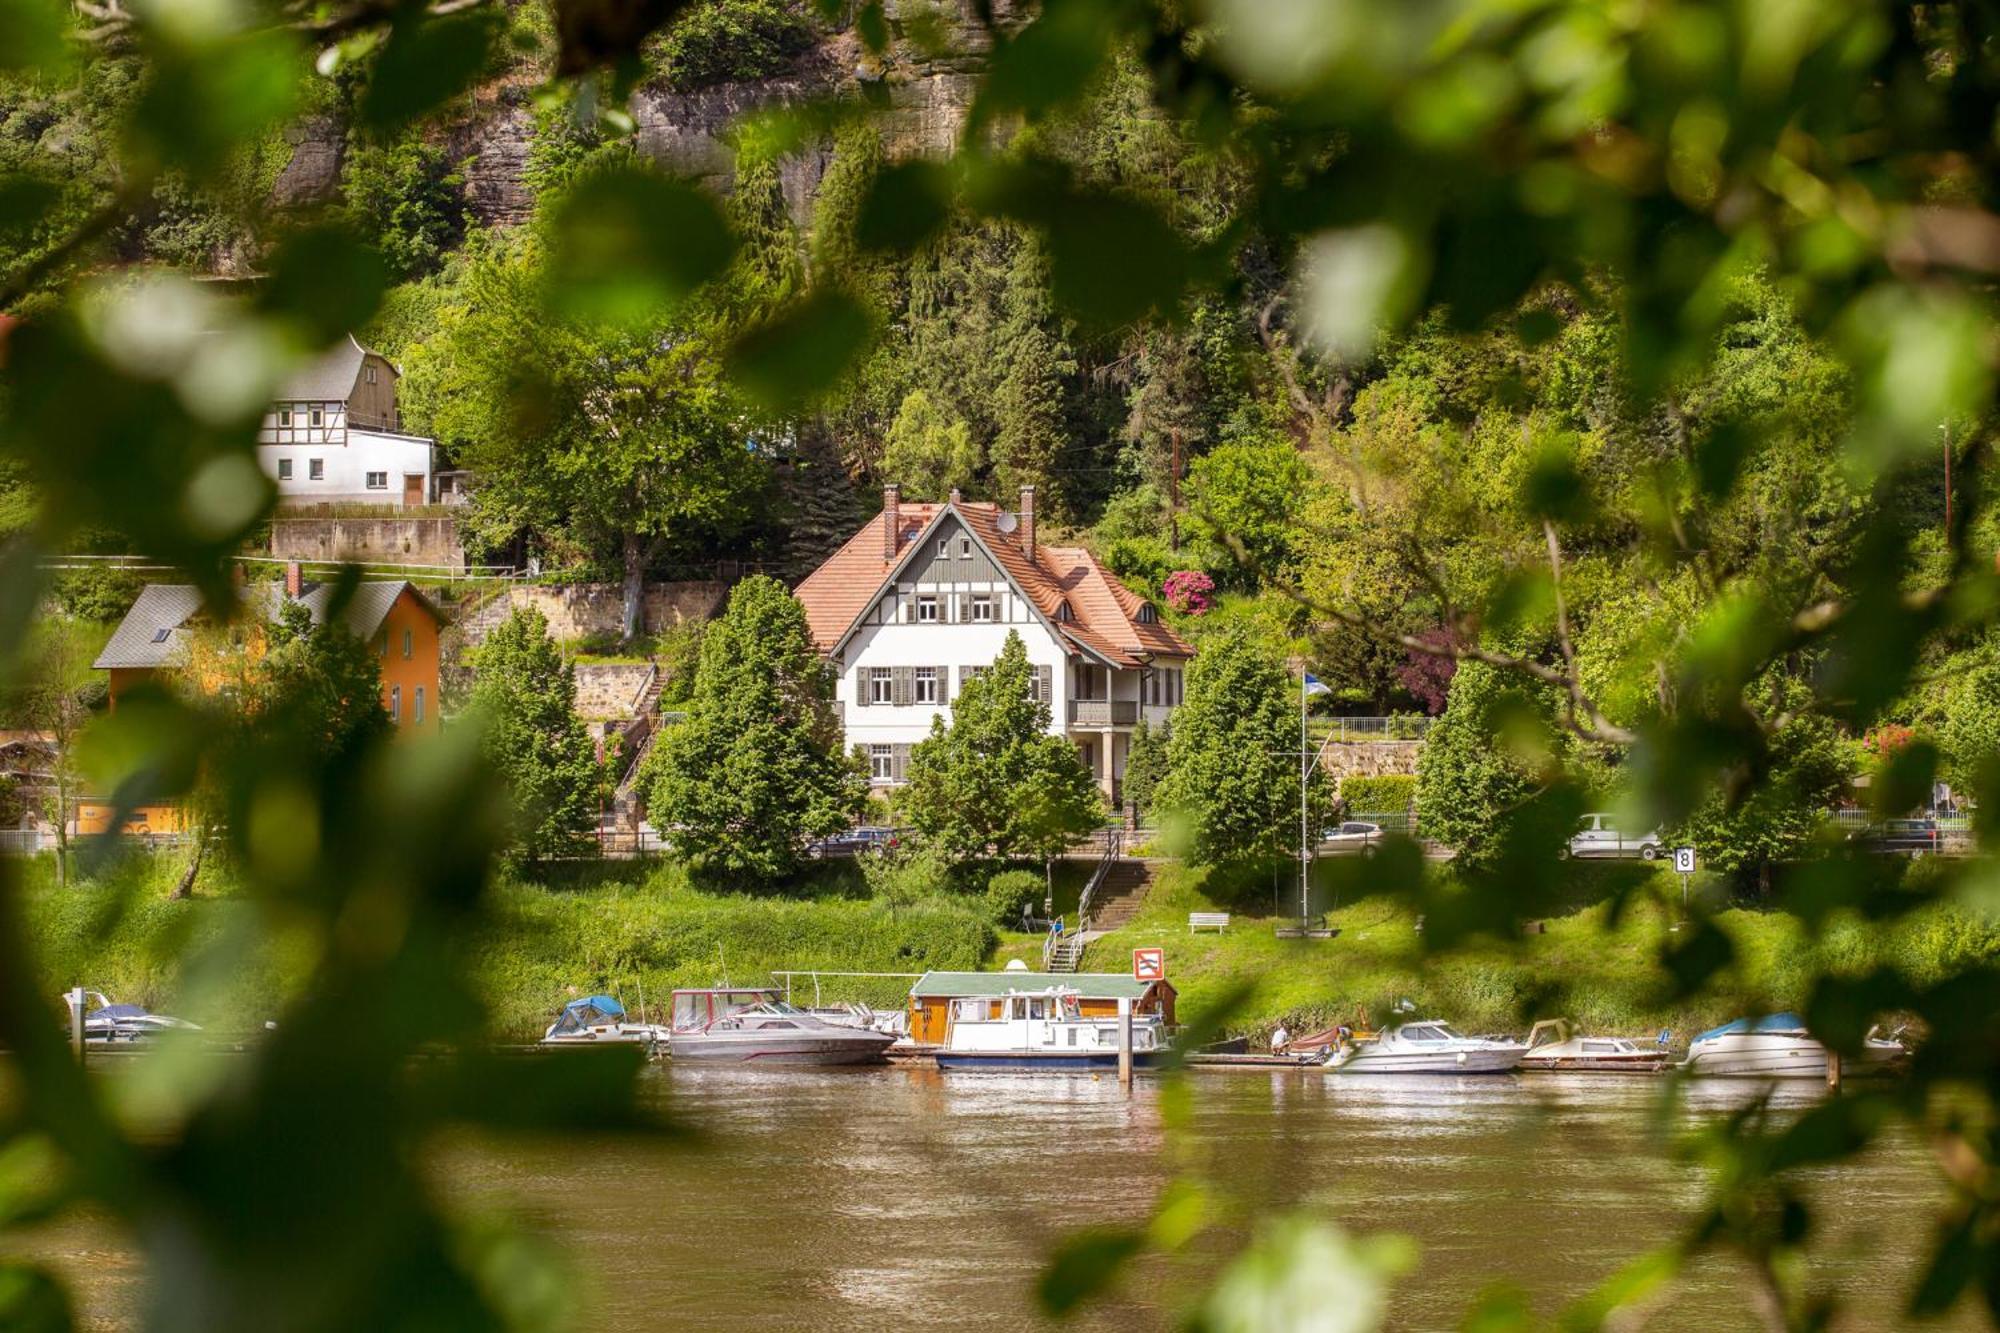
[904, 1198]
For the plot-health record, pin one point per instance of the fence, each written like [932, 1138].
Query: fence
[1354, 730]
[888, 991]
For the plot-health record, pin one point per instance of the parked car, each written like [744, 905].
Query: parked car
[1913, 836]
[864, 838]
[1597, 835]
[1353, 836]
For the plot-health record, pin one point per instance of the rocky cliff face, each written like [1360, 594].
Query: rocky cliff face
[920, 98]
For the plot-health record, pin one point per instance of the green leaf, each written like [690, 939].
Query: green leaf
[1085, 1265]
[32, 1300]
[631, 243]
[598, 34]
[1699, 953]
[324, 280]
[801, 352]
[32, 36]
[1047, 64]
[1114, 259]
[906, 204]
[426, 62]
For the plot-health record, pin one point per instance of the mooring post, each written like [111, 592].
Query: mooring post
[1833, 1070]
[75, 999]
[1125, 1044]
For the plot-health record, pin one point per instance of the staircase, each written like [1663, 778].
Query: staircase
[1062, 955]
[1120, 894]
[640, 733]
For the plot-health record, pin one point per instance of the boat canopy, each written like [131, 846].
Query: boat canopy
[117, 1011]
[1768, 1023]
[587, 1012]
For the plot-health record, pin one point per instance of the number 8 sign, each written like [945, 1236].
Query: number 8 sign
[1684, 860]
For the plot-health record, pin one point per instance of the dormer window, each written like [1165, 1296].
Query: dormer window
[1147, 615]
[1063, 613]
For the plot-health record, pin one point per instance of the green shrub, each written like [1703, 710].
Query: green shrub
[1387, 794]
[1008, 891]
[408, 199]
[726, 41]
[96, 594]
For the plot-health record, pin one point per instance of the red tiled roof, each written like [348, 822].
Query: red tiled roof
[1104, 612]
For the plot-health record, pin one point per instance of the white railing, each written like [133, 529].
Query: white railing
[1353, 730]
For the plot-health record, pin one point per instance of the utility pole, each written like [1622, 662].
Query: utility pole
[1305, 775]
[1174, 492]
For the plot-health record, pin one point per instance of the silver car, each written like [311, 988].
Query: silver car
[1598, 835]
[1354, 837]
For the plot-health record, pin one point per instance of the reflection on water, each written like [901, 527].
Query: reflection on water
[891, 1198]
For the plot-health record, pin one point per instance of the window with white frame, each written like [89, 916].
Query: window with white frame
[409, 644]
[316, 469]
[417, 712]
[982, 608]
[395, 703]
[317, 417]
[881, 763]
[880, 690]
[927, 610]
[378, 481]
[925, 685]
[944, 548]
[368, 372]
[285, 415]
[965, 548]
[284, 469]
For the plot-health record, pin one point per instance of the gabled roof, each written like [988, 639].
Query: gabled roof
[329, 377]
[1088, 985]
[1103, 614]
[154, 632]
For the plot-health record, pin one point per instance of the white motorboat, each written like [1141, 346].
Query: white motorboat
[1777, 1046]
[1554, 1048]
[896, 1023]
[600, 1020]
[106, 1023]
[745, 1025]
[1427, 1047]
[1043, 1030]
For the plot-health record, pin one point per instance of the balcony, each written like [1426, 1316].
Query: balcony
[1103, 712]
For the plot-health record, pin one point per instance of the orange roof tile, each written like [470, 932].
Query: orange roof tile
[1104, 612]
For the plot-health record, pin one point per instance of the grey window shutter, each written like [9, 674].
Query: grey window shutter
[944, 684]
[899, 686]
[1042, 678]
[909, 607]
[899, 762]
[861, 684]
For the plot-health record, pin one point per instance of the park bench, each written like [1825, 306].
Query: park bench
[1207, 921]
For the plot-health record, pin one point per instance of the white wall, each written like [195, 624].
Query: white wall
[348, 466]
[947, 645]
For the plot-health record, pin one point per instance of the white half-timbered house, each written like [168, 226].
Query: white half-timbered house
[923, 598]
[334, 435]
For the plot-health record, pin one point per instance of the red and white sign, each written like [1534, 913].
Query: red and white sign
[1149, 964]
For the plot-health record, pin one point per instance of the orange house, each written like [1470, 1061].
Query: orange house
[391, 616]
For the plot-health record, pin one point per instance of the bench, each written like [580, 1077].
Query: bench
[1207, 921]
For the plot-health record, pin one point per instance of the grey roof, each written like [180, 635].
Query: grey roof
[1088, 985]
[328, 378]
[138, 642]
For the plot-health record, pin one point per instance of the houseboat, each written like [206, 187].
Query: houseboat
[1043, 1029]
[1097, 995]
[751, 1025]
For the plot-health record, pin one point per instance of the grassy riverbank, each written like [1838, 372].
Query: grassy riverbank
[624, 927]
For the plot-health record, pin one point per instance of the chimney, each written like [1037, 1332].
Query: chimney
[955, 496]
[1028, 521]
[892, 520]
[294, 580]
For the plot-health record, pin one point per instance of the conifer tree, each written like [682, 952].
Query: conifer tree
[757, 772]
[524, 702]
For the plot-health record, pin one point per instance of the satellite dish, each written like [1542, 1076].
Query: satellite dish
[1007, 522]
[1015, 965]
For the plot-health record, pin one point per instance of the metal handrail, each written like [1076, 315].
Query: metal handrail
[1113, 844]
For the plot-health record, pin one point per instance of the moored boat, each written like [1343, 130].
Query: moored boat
[1427, 1047]
[1043, 1030]
[1554, 1048]
[750, 1025]
[1777, 1046]
[112, 1024]
[600, 1019]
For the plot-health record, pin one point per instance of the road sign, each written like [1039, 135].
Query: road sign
[1149, 964]
[1684, 860]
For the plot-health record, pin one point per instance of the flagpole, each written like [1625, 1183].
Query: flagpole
[1305, 772]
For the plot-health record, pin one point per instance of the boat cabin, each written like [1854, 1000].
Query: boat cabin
[1048, 1020]
[983, 996]
[695, 1010]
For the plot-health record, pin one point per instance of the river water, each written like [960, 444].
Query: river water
[900, 1198]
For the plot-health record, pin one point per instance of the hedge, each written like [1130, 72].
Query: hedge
[1390, 793]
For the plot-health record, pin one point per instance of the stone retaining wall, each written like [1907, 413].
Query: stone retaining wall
[389, 541]
[1369, 759]
[607, 689]
[580, 610]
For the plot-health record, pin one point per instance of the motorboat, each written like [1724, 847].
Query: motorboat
[1426, 1047]
[108, 1023]
[1778, 1046]
[1043, 1030]
[895, 1023]
[1554, 1048]
[751, 1025]
[600, 1019]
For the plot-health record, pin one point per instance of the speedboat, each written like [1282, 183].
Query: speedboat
[895, 1023]
[1043, 1030]
[1553, 1048]
[110, 1024]
[1427, 1047]
[600, 1019]
[1776, 1046]
[744, 1025]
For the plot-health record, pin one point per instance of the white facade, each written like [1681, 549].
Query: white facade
[329, 463]
[948, 618]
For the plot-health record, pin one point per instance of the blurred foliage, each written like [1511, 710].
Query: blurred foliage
[1626, 346]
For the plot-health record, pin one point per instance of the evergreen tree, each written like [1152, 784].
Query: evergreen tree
[996, 781]
[757, 772]
[1231, 790]
[524, 699]
[1146, 764]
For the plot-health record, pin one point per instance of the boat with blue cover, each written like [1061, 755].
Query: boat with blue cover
[600, 1020]
[1776, 1046]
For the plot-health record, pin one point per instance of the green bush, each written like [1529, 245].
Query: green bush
[1007, 891]
[1388, 794]
[409, 199]
[96, 594]
[726, 41]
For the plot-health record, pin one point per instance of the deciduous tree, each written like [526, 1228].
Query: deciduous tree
[524, 704]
